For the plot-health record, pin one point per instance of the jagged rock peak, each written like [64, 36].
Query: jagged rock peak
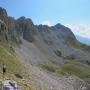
[58, 25]
[3, 11]
[25, 20]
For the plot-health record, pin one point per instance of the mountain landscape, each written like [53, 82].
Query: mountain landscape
[44, 57]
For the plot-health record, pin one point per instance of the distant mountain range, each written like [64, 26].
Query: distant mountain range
[83, 40]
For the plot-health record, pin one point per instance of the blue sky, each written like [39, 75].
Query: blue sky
[55, 11]
[52, 11]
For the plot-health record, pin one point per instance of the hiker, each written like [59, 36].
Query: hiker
[4, 70]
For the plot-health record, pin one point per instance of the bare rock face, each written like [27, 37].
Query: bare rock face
[3, 25]
[60, 32]
[12, 30]
[26, 28]
[22, 27]
[8, 27]
[65, 31]
[3, 15]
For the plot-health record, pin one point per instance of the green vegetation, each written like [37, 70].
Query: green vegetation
[72, 67]
[15, 67]
[48, 66]
[77, 44]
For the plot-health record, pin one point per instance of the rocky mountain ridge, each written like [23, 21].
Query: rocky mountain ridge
[24, 26]
[57, 39]
[53, 48]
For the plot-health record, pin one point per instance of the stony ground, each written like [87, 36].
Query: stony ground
[48, 80]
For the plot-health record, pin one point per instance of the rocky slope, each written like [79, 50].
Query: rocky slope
[41, 44]
[47, 76]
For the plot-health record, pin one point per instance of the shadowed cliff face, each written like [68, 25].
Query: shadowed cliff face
[8, 26]
[26, 28]
[3, 25]
[3, 15]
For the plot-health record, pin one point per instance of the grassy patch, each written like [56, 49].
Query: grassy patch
[72, 67]
[78, 70]
[77, 44]
[14, 66]
[48, 66]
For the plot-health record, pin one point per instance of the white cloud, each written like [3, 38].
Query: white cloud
[80, 29]
[46, 22]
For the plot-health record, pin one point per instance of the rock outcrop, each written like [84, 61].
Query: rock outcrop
[8, 27]
[26, 28]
